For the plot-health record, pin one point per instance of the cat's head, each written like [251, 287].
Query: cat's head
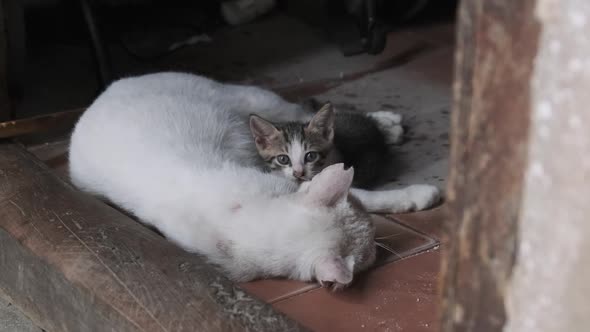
[298, 151]
[347, 245]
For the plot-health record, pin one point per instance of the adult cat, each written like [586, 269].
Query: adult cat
[175, 150]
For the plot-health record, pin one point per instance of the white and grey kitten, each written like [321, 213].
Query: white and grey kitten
[299, 150]
[175, 150]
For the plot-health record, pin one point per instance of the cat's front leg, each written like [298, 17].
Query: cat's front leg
[412, 198]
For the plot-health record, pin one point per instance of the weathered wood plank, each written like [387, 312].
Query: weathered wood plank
[72, 263]
[496, 46]
[40, 123]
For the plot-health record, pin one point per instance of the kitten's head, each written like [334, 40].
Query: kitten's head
[347, 245]
[298, 151]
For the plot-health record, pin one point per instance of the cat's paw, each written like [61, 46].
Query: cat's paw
[423, 196]
[401, 205]
[386, 118]
[390, 125]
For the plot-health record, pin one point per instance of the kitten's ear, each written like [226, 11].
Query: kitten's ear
[262, 130]
[323, 122]
[329, 187]
[334, 270]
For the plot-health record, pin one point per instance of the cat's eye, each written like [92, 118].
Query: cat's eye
[283, 159]
[311, 156]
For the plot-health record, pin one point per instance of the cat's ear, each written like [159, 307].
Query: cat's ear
[323, 122]
[329, 187]
[263, 131]
[334, 271]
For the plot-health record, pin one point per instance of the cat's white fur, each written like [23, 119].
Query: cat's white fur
[175, 150]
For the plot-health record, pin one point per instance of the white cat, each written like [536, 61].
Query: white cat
[175, 150]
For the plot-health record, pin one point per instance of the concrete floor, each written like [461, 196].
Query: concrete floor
[411, 77]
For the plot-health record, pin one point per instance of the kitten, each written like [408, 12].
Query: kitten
[301, 150]
[175, 150]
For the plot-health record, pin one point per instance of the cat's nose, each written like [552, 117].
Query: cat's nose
[297, 174]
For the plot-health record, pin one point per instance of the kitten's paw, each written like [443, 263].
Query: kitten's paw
[423, 195]
[386, 118]
[390, 125]
[395, 135]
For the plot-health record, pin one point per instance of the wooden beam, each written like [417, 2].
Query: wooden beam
[38, 124]
[72, 263]
[496, 47]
